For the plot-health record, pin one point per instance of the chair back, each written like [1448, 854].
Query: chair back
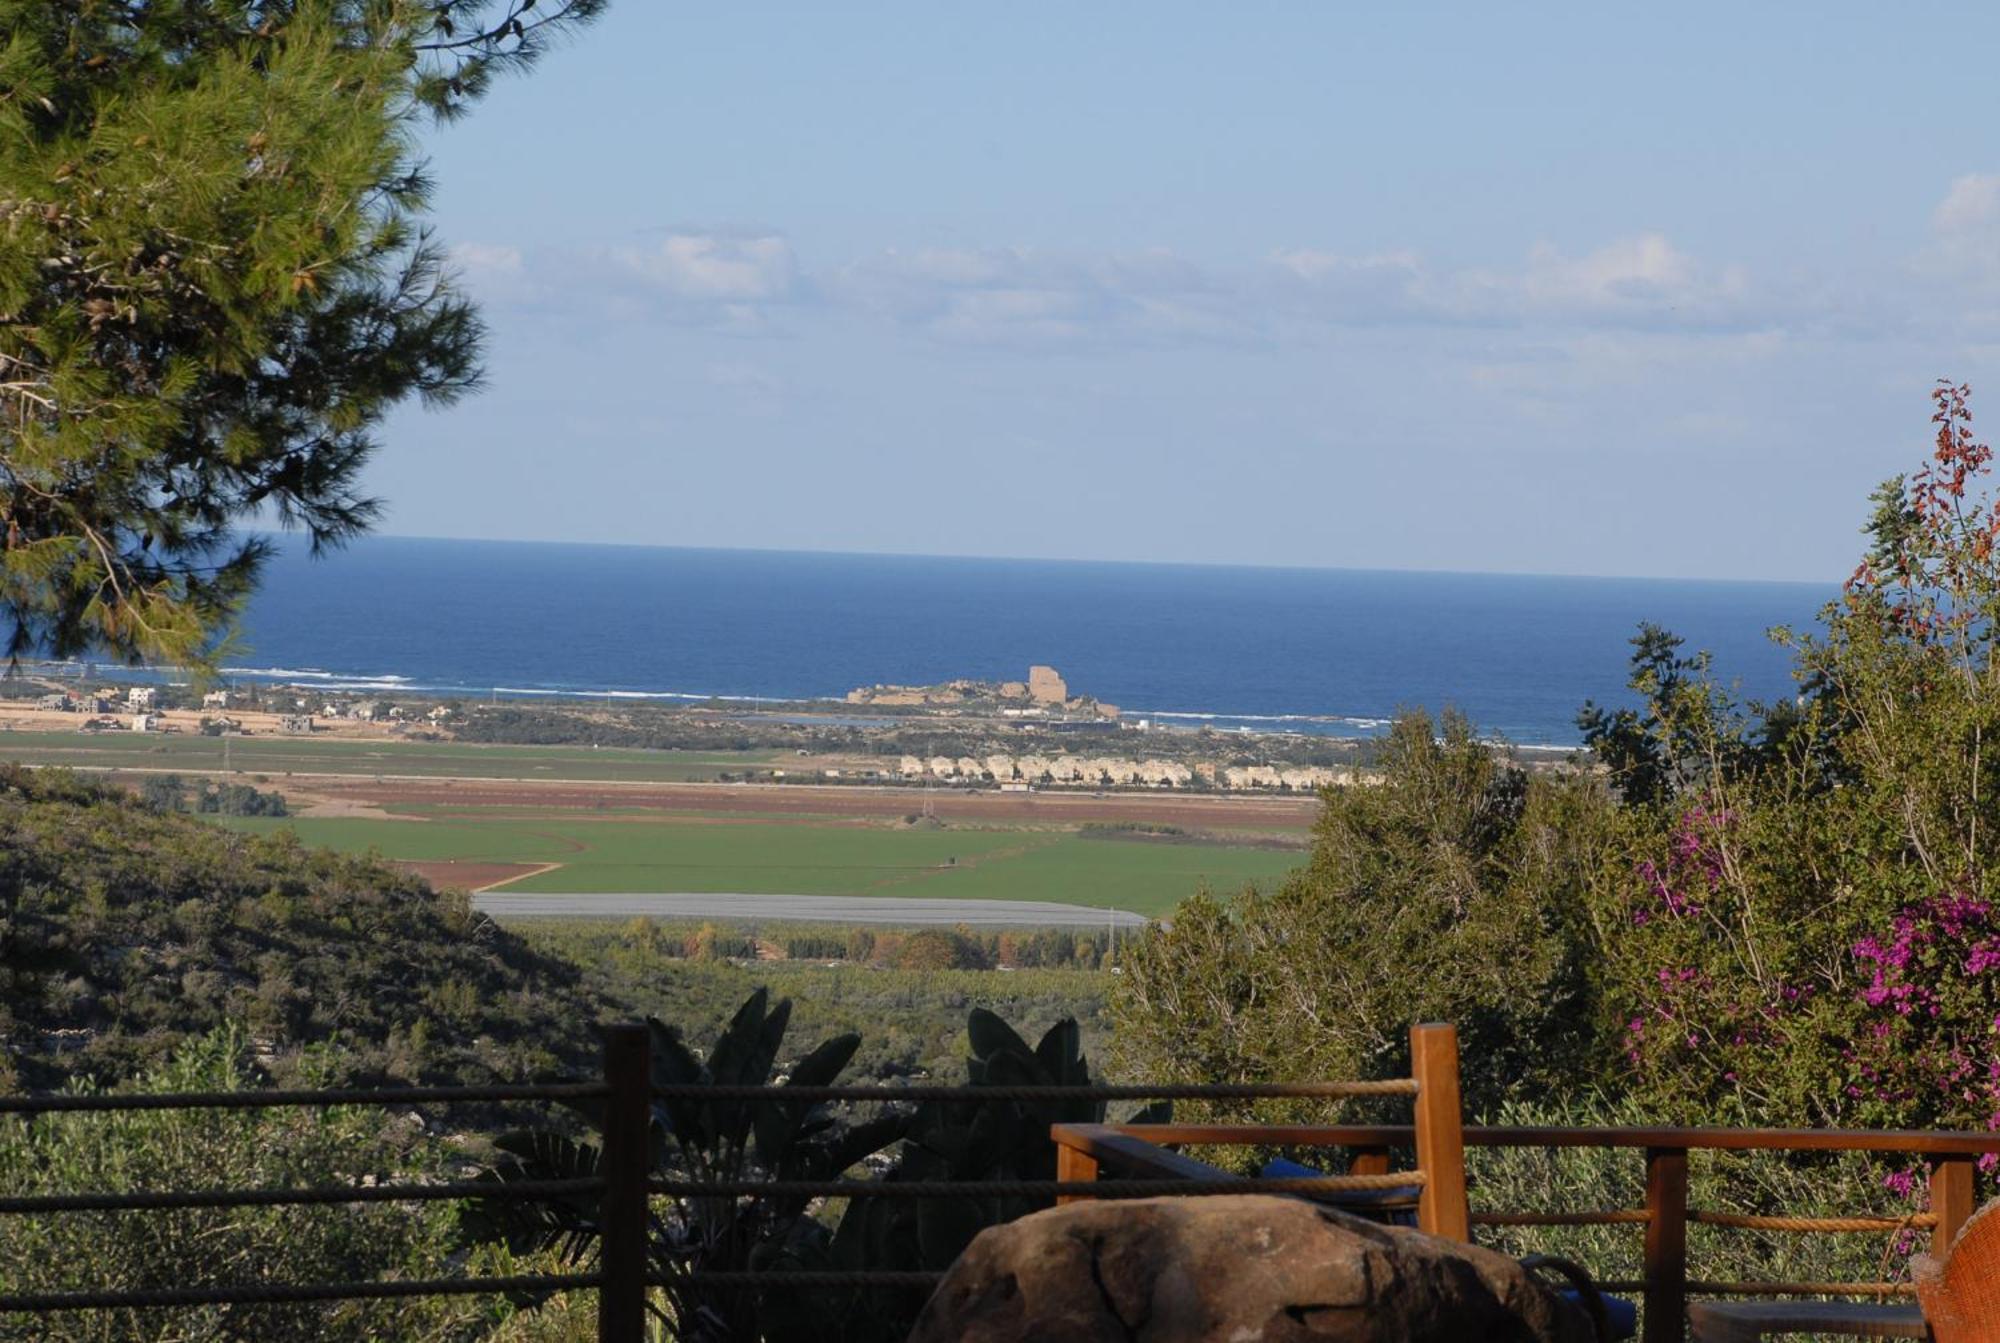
[1960, 1293]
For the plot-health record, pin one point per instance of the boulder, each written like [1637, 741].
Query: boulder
[1234, 1269]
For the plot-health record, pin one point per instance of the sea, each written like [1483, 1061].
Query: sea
[1329, 651]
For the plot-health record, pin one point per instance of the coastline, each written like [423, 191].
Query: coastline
[819, 709]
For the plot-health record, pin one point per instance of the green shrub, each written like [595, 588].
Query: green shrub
[117, 1152]
[106, 906]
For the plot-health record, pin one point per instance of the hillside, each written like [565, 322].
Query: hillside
[123, 931]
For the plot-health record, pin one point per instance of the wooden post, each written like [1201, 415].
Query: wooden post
[1666, 1244]
[1440, 1132]
[1073, 1163]
[1369, 1161]
[1951, 1199]
[621, 1300]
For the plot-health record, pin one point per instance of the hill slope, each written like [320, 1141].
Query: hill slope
[123, 931]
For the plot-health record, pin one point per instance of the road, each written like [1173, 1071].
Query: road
[906, 913]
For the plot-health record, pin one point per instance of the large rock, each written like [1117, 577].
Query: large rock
[1233, 1269]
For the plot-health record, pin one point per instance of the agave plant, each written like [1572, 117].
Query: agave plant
[702, 1139]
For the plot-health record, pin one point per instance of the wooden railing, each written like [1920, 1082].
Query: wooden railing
[625, 1185]
[1142, 1150]
[1436, 1135]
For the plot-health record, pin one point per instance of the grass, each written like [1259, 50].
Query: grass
[287, 755]
[786, 858]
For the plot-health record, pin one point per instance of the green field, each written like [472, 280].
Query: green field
[278, 756]
[782, 858]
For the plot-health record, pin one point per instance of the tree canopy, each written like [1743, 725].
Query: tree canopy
[1727, 911]
[215, 281]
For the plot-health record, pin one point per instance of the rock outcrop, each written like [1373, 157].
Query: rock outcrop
[1234, 1269]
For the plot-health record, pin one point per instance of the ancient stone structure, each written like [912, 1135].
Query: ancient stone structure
[1046, 687]
[1238, 1267]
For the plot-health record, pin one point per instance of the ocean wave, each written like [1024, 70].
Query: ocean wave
[692, 697]
[316, 674]
[1350, 720]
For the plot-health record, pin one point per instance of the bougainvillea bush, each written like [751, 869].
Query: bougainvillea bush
[1807, 931]
[1724, 912]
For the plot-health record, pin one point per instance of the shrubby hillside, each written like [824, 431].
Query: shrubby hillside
[124, 931]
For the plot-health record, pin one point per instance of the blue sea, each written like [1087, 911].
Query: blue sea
[1311, 650]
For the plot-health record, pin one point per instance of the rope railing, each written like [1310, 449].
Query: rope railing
[1814, 1225]
[1699, 1288]
[274, 1294]
[1402, 1086]
[919, 1189]
[155, 1200]
[330, 1098]
[798, 1279]
[1606, 1217]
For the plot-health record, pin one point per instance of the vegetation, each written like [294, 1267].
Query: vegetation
[169, 792]
[910, 1021]
[745, 728]
[127, 1151]
[1569, 1179]
[124, 931]
[774, 1138]
[217, 285]
[1446, 893]
[1744, 913]
[368, 756]
[794, 856]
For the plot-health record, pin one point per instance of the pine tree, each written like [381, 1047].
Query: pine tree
[214, 283]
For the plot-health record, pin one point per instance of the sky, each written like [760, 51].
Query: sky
[1549, 289]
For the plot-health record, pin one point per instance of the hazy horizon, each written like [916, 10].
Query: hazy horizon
[332, 557]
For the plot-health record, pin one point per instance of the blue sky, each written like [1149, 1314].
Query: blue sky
[1545, 289]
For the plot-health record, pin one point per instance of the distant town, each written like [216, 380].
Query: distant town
[1013, 735]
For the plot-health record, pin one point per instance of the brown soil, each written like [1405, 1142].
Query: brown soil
[313, 807]
[466, 875]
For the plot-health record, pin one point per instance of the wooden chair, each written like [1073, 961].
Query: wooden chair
[1960, 1292]
[1748, 1321]
[1958, 1297]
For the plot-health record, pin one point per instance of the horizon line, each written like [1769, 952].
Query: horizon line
[1073, 559]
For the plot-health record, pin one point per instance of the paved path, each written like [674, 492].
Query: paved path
[805, 908]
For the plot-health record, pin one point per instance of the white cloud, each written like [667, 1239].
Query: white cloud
[711, 268]
[1965, 231]
[734, 281]
[1643, 281]
[1972, 203]
[1018, 296]
[487, 258]
[1013, 295]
